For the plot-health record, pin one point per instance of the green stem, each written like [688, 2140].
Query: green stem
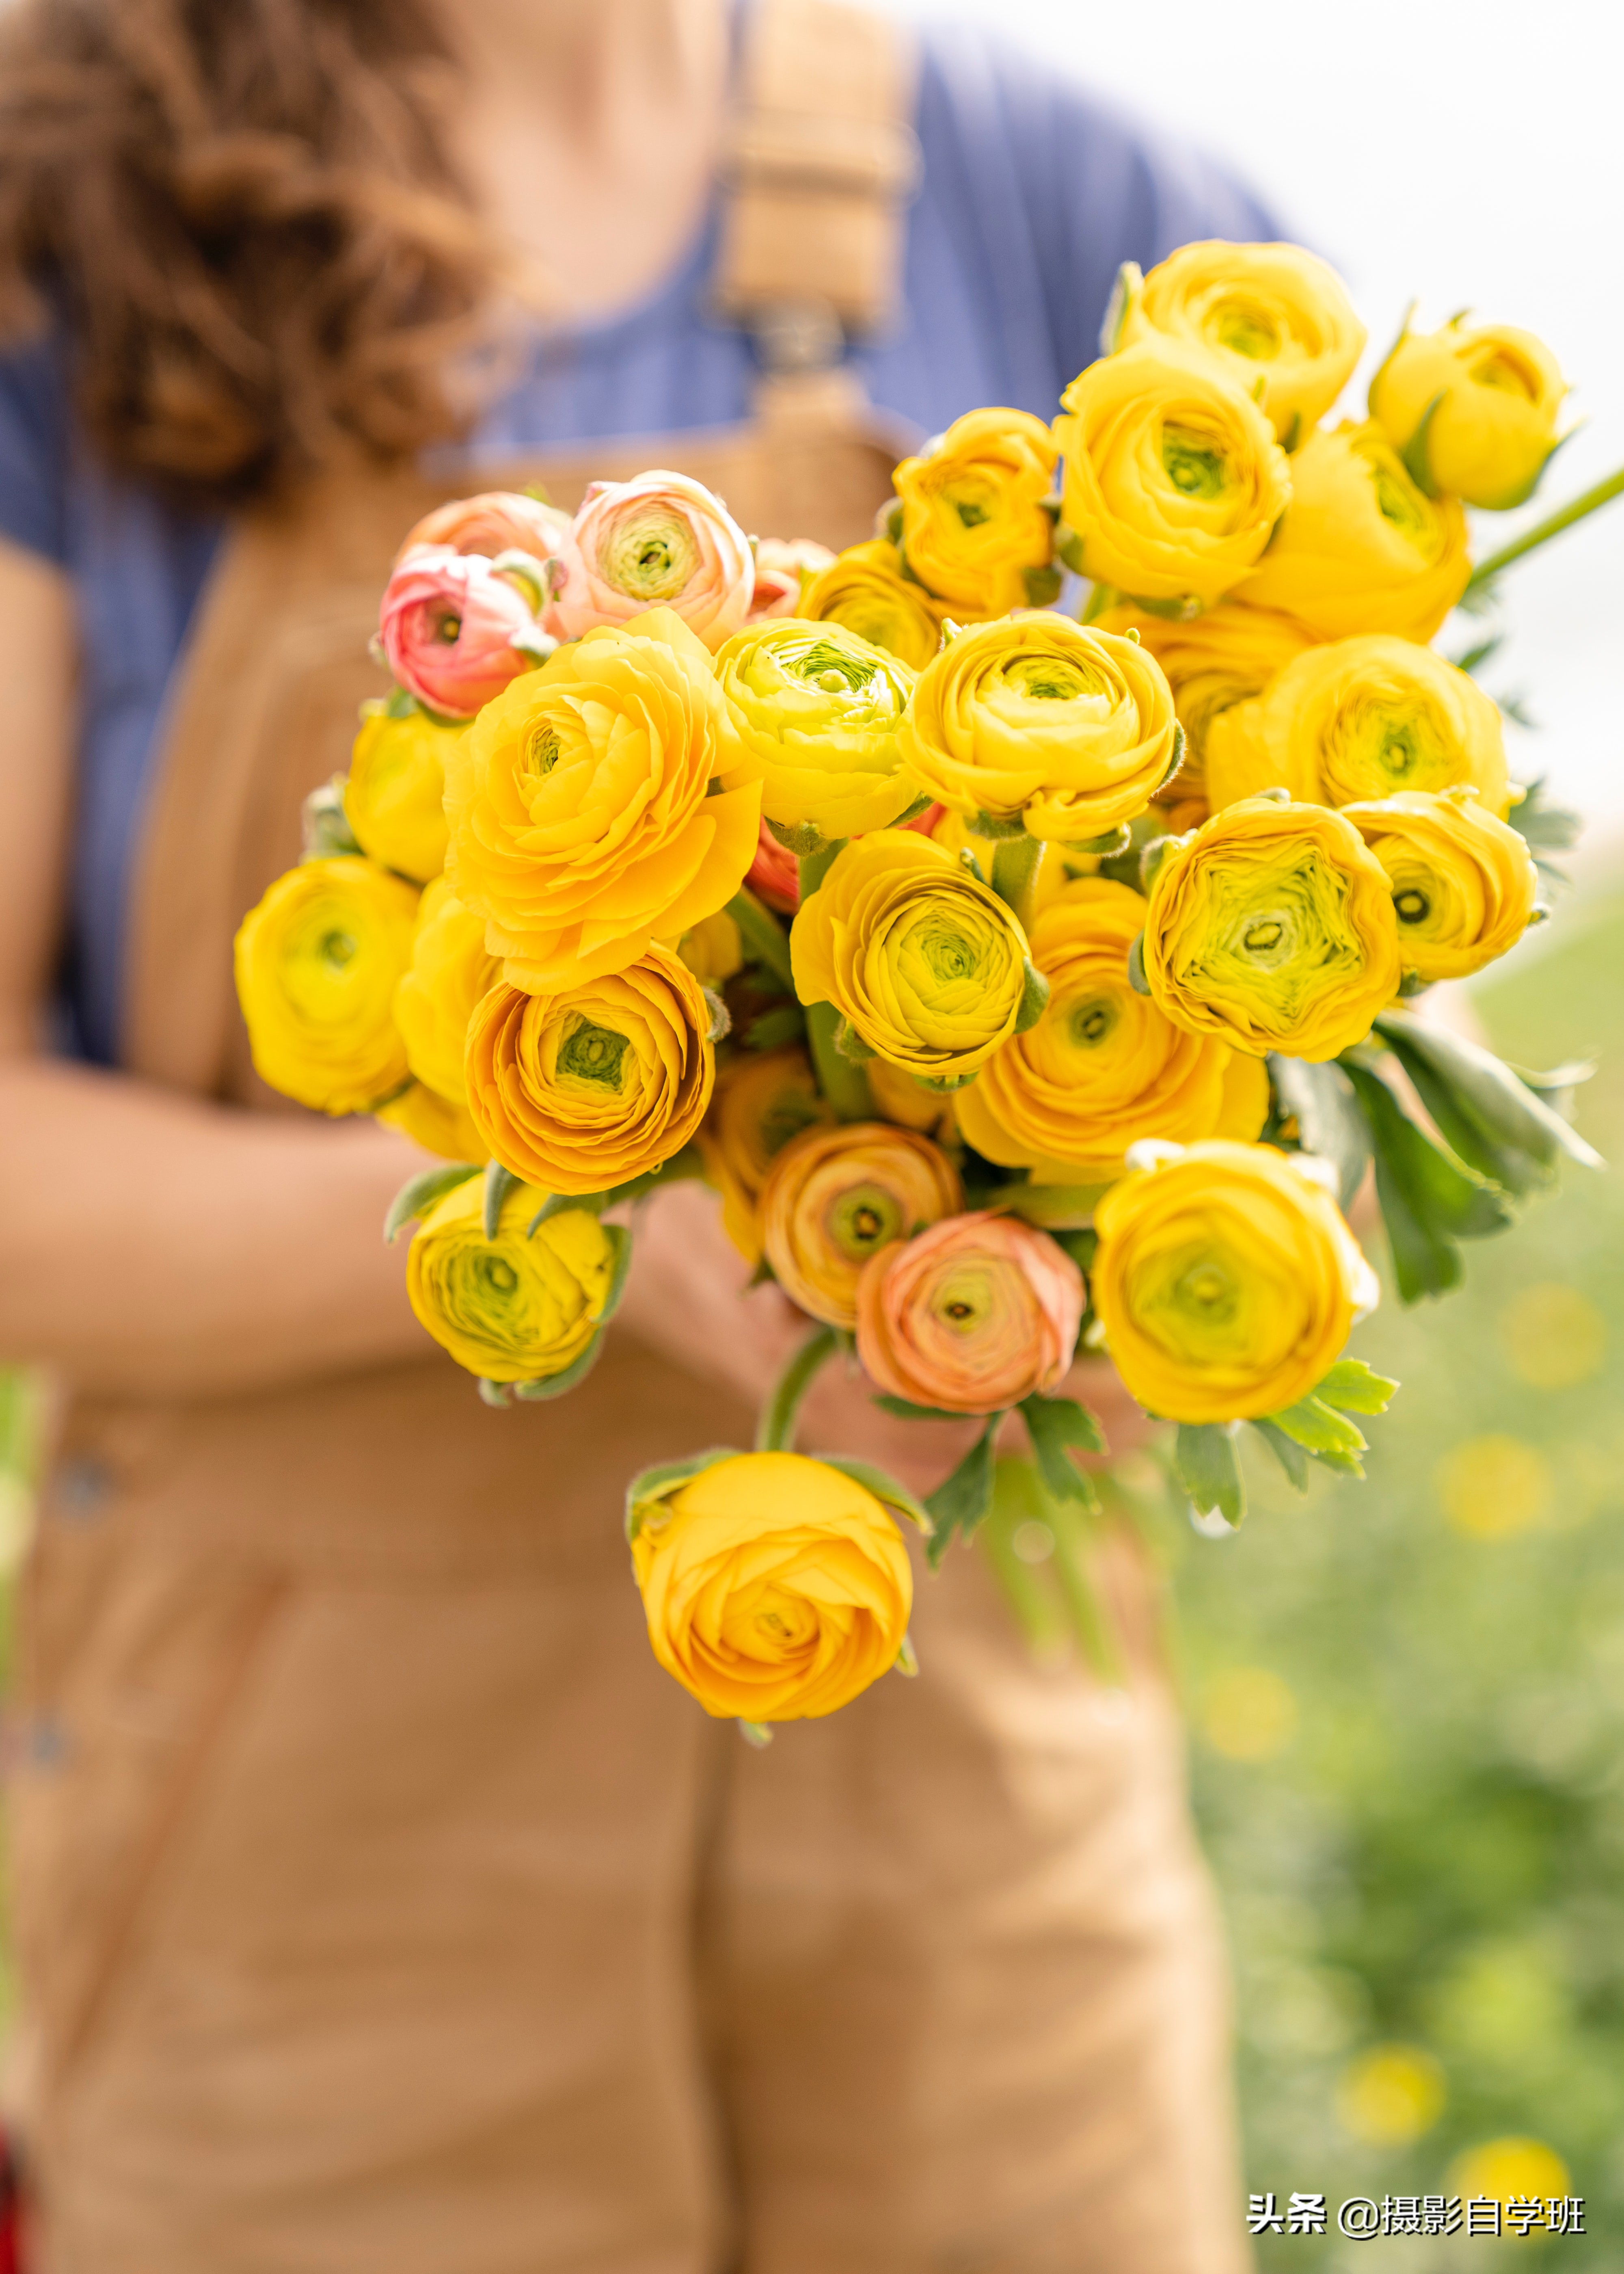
[842, 1081]
[814, 867]
[1553, 525]
[775, 1431]
[1014, 873]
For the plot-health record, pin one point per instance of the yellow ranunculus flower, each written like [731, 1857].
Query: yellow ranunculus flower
[817, 711]
[1361, 549]
[1034, 718]
[1103, 1066]
[763, 1098]
[1361, 719]
[582, 1089]
[1272, 927]
[394, 795]
[928, 966]
[712, 949]
[1269, 312]
[1173, 478]
[317, 965]
[833, 1198]
[864, 589]
[776, 1588]
[1216, 660]
[1226, 1282]
[437, 1124]
[519, 1307]
[1464, 887]
[583, 822]
[972, 517]
[897, 1096]
[1474, 407]
[448, 973]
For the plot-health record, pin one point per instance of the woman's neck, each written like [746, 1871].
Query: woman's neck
[590, 130]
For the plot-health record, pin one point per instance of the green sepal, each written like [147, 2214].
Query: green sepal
[1015, 865]
[558, 1385]
[922, 804]
[498, 1182]
[754, 1733]
[961, 1499]
[325, 833]
[770, 1030]
[763, 936]
[683, 1167]
[799, 838]
[851, 1044]
[1128, 280]
[1033, 997]
[883, 1485]
[1051, 1207]
[1042, 586]
[397, 703]
[1354, 1388]
[1204, 1454]
[721, 1017]
[905, 1410]
[1286, 1451]
[888, 521]
[1137, 979]
[997, 825]
[1053, 1424]
[1320, 1430]
[1293, 434]
[943, 1085]
[1108, 848]
[1414, 456]
[493, 1393]
[1151, 857]
[968, 860]
[1430, 1201]
[906, 1661]
[1175, 762]
[1320, 1099]
[1184, 610]
[649, 1486]
[419, 1194]
[1069, 545]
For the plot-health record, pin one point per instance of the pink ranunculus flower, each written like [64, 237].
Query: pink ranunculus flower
[660, 541]
[774, 875]
[782, 565]
[509, 521]
[456, 629]
[971, 1315]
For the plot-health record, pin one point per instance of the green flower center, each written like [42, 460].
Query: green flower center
[1207, 1291]
[863, 1219]
[1263, 939]
[1046, 679]
[651, 555]
[449, 629]
[338, 950]
[1397, 500]
[950, 955]
[1194, 466]
[1092, 1023]
[1412, 905]
[833, 668]
[593, 1054]
[1245, 329]
[543, 750]
[497, 1274]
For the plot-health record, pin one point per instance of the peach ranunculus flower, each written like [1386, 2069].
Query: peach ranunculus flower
[784, 566]
[833, 1198]
[660, 541]
[457, 631]
[509, 521]
[971, 1316]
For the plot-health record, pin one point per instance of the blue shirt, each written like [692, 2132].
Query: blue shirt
[1033, 195]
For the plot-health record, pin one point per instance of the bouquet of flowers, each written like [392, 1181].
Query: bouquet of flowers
[1018, 919]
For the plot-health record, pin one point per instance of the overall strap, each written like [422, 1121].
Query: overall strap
[820, 163]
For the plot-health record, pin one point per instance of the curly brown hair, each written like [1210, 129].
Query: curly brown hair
[245, 214]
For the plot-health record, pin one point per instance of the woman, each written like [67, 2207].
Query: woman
[378, 1902]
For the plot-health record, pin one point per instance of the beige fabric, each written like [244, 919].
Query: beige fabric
[381, 1905]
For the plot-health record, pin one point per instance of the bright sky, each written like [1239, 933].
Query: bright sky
[1462, 156]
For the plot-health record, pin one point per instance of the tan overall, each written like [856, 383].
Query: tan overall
[382, 1908]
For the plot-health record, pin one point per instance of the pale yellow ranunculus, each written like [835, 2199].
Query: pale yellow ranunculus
[776, 1588]
[449, 971]
[864, 589]
[1226, 1282]
[600, 803]
[761, 1099]
[974, 523]
[1271, 928]
[318, 962]
[1361, 549]
[1213, 662]
[1473, 408]
[1361, 719]
[522, 1306]
[928, 966]
[1174, 480]
[1103, 1066]
[817, 711]
[1464, 885]
[831, 1198]
[584, 1089]
[1276, 316]
[394, 795]
[1034, 718]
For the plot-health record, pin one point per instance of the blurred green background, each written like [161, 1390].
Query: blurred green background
[1407, 1700]
[1408, 1708]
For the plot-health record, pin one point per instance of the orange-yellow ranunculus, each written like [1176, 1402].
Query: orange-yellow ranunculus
[1361, 549]
[1103, 1066]
[1213, 662]
[864, 589]
[974, 530]
[449, 971]
[763, 1098]
[584, 1089]
[1361, 719]
[1464, 885]
[522, 1306]
[776, 1588]
[600, 803]
[833, 1198]
[971, 1315]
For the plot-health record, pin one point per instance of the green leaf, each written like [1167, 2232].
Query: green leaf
[1354, 1388]
[960, 1501]
[1204, 1454]
[1286, 1451]
[851, 1044]
[800, 839]
[493, 1393]
[419, 1194]
[1069, 545]
[883, 1485]
[1034, 998]
[1054, 1424]
[1543, 826]
[764, 937]
[770, 1030]
[1320, 1429]
[1136, 967]
[905, 1410]
[1322, 1101]
[651, 1486]
[721, 1018]
[498, 1182]
[1428, 1200]
[560, 1385]
[1494, 1122]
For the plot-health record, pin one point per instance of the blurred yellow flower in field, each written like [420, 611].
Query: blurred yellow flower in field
[1391, 2094]
[1248, 1714]
[1495, 1486]
[1514, 2165]
[1552, 1335]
